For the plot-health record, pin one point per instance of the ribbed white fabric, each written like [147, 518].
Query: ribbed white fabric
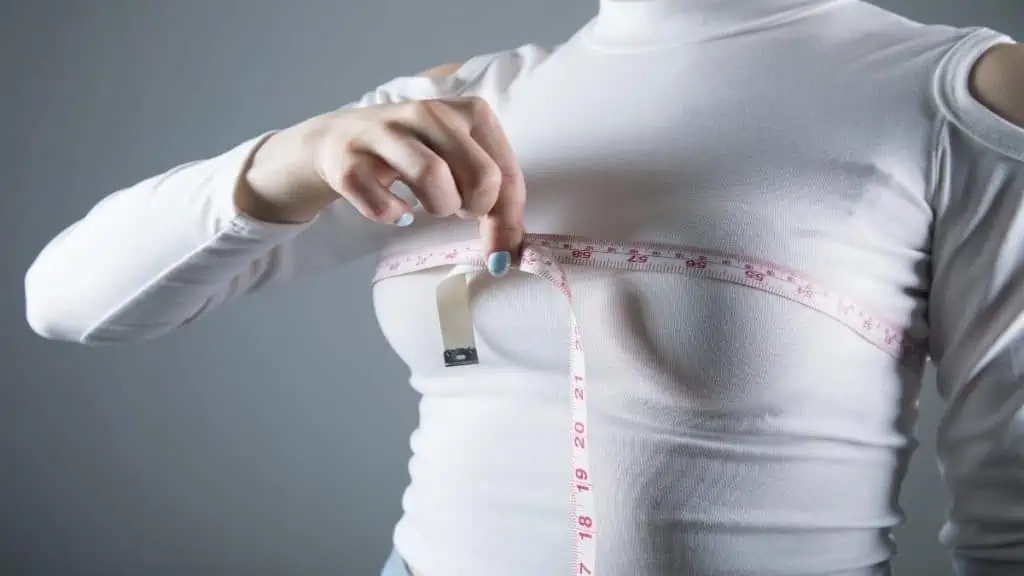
[734, 432]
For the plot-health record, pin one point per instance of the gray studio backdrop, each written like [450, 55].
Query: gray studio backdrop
[250, 443]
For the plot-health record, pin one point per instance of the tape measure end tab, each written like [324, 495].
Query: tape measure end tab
[460, 357]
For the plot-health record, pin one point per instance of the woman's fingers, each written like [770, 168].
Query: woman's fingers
[366, 185]
[454, 156]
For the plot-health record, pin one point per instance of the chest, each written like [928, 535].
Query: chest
[629, 152]
[700, 150]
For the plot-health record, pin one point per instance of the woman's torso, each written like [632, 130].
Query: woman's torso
[733, 431]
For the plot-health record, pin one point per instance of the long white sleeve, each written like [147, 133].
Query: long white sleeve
[977, 321]
[158, 254]
[151, 256]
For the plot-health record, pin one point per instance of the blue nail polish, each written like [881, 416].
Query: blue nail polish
[498, 263]
[405, 219]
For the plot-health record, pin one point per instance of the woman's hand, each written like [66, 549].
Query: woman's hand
[452, 153]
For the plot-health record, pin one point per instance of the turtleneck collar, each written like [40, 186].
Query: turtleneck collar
[641, 25]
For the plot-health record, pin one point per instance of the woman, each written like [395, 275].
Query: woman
[774, 211]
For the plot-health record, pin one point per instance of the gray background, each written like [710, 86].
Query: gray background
[251, 442]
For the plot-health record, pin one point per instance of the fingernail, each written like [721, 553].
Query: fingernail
[498, 263]
[405, 219]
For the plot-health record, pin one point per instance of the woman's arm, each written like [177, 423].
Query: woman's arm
[976, 307]
[160, 253]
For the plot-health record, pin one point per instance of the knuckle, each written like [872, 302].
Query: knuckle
[479, 108]
[439, 195]
[511, 175]
[431, 174]
[491, 180]
[482, 190]
[421, 111]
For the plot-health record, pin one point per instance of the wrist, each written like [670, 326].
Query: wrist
[279, 184]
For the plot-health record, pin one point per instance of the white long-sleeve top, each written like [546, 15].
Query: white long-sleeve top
[734, 431]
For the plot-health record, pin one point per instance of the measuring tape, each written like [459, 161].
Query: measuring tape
[544, 256]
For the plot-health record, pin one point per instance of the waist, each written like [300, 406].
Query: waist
[864, 553]
[488, 488]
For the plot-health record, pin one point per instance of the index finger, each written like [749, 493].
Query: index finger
[502, 228]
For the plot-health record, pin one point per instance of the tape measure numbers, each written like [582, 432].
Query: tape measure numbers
[544, 256]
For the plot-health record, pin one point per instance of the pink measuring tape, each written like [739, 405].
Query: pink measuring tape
[545, 255]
